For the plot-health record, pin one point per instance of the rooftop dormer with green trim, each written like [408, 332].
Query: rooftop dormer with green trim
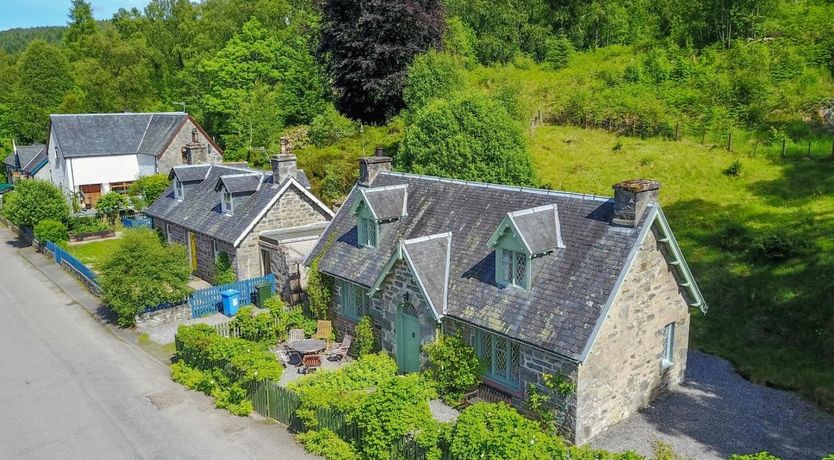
[521, 237]
[376, 207]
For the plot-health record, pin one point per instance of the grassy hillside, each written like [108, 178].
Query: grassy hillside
[767, 314]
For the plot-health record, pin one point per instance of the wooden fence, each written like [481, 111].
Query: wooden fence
[208, 301]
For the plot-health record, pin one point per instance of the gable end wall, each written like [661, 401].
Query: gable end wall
[623, 370]
[172, 155]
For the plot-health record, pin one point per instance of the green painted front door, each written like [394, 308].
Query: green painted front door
[408, 340]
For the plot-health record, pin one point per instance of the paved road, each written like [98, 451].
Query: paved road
[71, 389]
[717, 413]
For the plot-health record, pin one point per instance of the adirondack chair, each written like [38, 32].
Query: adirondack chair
[295, 335]
[324, 330]
[340, 350]
[311, 363]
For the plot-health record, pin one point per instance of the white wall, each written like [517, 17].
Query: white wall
[147, 164]
[102, 169]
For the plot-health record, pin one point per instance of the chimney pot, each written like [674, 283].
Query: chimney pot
[370, 167]
[285, 146]
[380, 151]
[283, 167]
[631, 198]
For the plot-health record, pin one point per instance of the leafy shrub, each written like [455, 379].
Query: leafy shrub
[296, 319]
[258, 327]
[137, 203]
[110, 205]
[51, 230]
[453, 367]
[329, 127]
[558, 51]
[491, 50]
[734, 236]
[734, 170]
[142, 272]
[33, 201]
[764, 456]
[319, 289]
[778, 244]
[397, 408]
[550, 405]
[149, 188]
[459, 38]
[430, 76]
[327, 444]
[497, 431]
[223, 272]
[364, 342]
[85, 224]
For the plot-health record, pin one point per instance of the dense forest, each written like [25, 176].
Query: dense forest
[474, 89]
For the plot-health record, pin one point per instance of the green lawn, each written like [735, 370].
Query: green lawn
[772, 318]
[94, 252]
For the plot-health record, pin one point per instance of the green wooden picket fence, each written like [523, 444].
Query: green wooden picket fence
[276, 402]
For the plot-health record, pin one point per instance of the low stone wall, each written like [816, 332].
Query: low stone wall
[92, 286]
[176, 313]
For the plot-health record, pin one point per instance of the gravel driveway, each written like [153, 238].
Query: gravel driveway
[717, 413]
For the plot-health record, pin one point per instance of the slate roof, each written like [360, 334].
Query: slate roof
[430, 260]
[200, 209]
[240, 183]
[30, 156]
[539, 228]
[115, 133]
[570, 286]
[190, 173]
[386, 202]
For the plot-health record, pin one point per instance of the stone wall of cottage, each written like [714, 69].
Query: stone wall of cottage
[205, 248]
[172, 156]
[623, 371]
[294, 209]
[383, 308]
[280, 267]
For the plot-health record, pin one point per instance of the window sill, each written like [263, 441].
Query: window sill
[664, 364]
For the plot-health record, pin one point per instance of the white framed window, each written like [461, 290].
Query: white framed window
[227, 204]
[512, 268]
[215, 249]
[668, 345]
[168, 233]
[501, 357]
[179, 190]
[367, 232]
[354, 300]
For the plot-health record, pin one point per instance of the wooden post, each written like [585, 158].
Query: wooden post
[677, 131]
[784, 142]
[809, 148]
[756, 146]
[703, 136]
[730, 141]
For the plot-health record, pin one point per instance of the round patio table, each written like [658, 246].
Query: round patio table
[308, 346]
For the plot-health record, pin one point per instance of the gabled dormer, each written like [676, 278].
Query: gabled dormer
[520, 237]
[234, 188]
[376, 207]
[186, 178]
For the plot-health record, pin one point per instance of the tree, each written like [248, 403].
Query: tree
[453, 367]
[142, 272]
[149, 187]
[43, 80]
[110, 205]
[34, 201]
[81, 22]
[223, 272]
[470, 137]
[432, 75]
[367, 46]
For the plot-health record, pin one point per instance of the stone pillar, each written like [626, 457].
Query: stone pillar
[631, 198]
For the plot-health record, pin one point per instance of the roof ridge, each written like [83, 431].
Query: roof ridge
[515, 188]
[114, 113]
[524, 212]
[421, 239]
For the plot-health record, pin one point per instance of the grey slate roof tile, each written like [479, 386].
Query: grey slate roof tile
[387, 202]
[240, 183]
[80, 135]
[29, 156]
[571, 284]
[190, 173]
[430, 258]
[538, 227]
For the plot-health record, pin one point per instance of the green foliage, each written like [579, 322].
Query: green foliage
[453, 367]
[142, 272]
[778, 244]
[329, 127]
[81, 22]
[149, 187]
[398, 407]
[734, 170]
[254, 327]
[15, 40]
[364, 341]
[223, 272]
[459, 39]
[761, 456]
[43, 81]
[326, 444]
[319, 290]
[497, 431]
[110, 206]
[430, 76]
[33, 201]
[469, 137]
[557, 52]
[550, 404]
[367, 47]
[86, 224]
[51, 230]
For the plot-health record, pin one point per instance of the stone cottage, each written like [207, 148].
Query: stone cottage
[593, 288]
[26, 162]
[266, 223]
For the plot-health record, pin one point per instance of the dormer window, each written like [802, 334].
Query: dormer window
[226, 203]
[375, 207]
[367, 232]
[514, 268]
[179, 190]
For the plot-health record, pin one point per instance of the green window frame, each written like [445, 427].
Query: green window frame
[354, 300]
[512, 268]
[501, 356]
[367, 231]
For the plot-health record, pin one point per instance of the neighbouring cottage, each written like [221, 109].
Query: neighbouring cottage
[92, 154]
[26, 162]
[537, 281]
[266, 223]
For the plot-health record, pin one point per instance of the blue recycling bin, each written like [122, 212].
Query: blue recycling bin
[231, 301]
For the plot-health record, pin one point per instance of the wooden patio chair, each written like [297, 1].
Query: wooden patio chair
[324, 331]
[340, 350]
[295, 335]
[311, 363]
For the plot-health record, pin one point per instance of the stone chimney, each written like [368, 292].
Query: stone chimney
[370, 167]
[631, 198]
[285, 146]
[283, 166]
